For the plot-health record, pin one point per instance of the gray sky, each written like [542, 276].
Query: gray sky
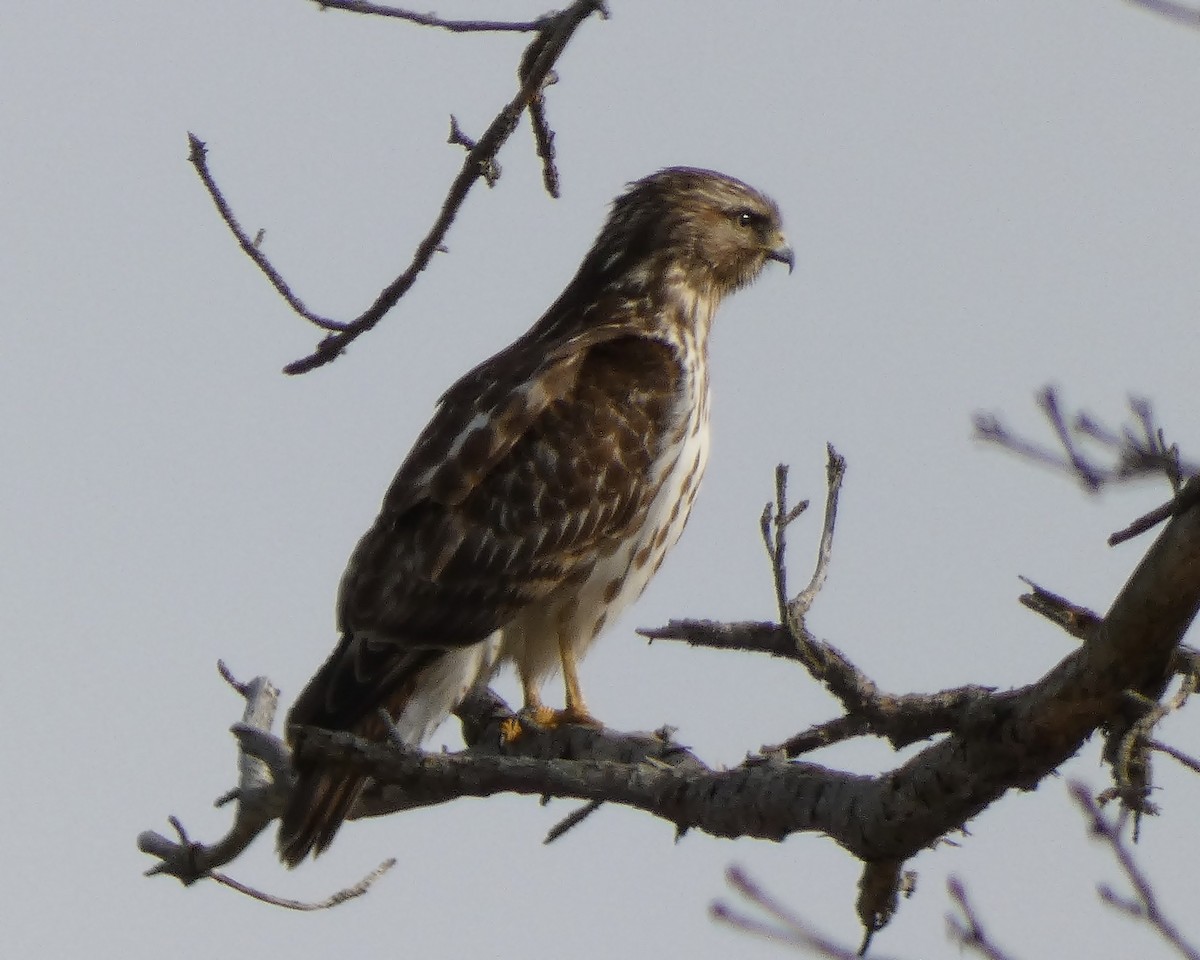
[983, 198]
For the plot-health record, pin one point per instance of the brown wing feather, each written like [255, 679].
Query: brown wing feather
[551, 473]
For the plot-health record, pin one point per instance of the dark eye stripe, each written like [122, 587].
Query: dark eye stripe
[749, 218]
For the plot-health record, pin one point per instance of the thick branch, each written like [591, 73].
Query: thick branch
[900, 719]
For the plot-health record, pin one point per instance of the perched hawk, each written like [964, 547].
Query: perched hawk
[544, 494]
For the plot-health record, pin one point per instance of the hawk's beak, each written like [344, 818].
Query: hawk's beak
[782, 253]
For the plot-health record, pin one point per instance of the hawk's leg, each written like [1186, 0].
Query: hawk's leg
[533, 714]
[534, 710]
[536, 714]
[576, 710]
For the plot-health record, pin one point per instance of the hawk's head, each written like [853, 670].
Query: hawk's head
[717, 230]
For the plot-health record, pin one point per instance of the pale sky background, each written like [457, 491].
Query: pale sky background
[984, 197]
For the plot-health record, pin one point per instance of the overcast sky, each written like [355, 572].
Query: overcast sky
[984, 198]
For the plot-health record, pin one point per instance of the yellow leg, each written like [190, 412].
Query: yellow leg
[576, 709]
[534, 713]
[534, 709]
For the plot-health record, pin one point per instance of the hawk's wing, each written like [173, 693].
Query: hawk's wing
[534, 464]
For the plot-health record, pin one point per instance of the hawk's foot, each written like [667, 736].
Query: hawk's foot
[577, 715]
[541, 717]
[510, 730]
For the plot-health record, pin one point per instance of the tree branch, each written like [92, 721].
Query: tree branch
[1179, 12]
[994, 742]
[431, 20]
[552, 34]
[1143, 905]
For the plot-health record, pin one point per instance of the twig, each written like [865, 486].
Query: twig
[333, 900]
[784, 926]
[835, 472]
[819, 735]
[430, 20]
[264, 781]
[1143, 905]
[773, 526]
[572, 820]
[1078, 621]
[1175, 753]
[198, 157]
[553, 33]
[551, 41]
[1129, 745]
[1180, 13]
[1137, 453]
[967, 929]
[1088, 475]
[1185, 499]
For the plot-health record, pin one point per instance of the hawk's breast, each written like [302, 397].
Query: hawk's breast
[577, 612]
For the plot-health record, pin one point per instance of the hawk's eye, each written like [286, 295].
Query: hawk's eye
[748, 218]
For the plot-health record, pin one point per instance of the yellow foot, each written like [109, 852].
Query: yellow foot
[578, 716]
[553, 719]
[510, 730]
[542, 717]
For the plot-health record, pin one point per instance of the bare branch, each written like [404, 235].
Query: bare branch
[900, 719]
[553, 33]
[550, 42]
[835, 472]
[430, 20]
[1078, 621]
[994, 742]
[1179, 12]
[1135, 452]
[784, 925]
[335, 899]
[1143, 905]
[966, 929]
[572, 820]
[198, 157]
[259, 795]
[1184, 500]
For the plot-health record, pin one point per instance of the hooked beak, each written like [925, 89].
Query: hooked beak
[782, 253]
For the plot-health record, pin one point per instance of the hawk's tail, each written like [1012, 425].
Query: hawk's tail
[320, 802]
[346, 694]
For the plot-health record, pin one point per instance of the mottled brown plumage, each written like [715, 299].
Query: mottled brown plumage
[546, 490]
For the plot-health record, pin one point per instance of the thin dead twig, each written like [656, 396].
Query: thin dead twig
[572, 820]
[550, 42]
[553, 33]
[1179, 12]
[432, 20]
[198, 157]
[1134, 451]
[1143, 905]
[966, 928]
[783, 926]
[1078, 621]
[333, 900]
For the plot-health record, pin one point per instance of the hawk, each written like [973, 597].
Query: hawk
[546, 490]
